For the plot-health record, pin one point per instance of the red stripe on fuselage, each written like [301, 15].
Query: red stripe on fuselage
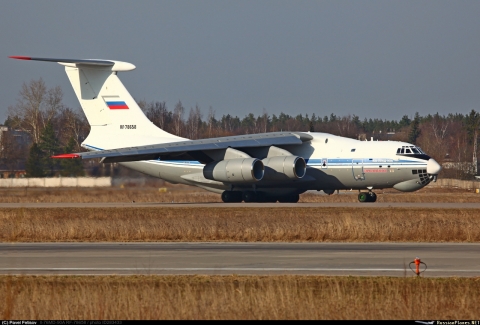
[118, 107]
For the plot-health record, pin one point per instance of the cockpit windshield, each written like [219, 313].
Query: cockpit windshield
[412, 150]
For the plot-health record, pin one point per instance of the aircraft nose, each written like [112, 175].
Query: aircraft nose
[433, 167]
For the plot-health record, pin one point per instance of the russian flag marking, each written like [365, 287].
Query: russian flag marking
[117, 105]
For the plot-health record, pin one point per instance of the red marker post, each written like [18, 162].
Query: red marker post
[417, 263]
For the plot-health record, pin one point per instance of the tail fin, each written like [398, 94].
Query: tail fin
[115, 118]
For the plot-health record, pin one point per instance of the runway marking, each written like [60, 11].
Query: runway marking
[219, 269]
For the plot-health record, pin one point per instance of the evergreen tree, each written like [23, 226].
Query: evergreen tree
[405, 121]
[71, 167]
[414, 129]
[472, 125]
[49, 146]
[34, 167]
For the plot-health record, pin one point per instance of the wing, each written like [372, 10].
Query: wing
[193, 148]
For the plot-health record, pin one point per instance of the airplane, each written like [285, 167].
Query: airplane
[264, 167]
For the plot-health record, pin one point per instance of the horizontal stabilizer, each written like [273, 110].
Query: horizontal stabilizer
[66, 156]
[116, 65]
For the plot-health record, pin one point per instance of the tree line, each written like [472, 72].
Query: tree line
[54, 128]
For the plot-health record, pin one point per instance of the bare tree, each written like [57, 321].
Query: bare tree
[178, 112]
[157, 112]
[211, 120]
[72, 124]
[193, 122]
[439, 127]
[35, 107]
[262, 122]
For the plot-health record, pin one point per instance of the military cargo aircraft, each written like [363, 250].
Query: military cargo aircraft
[265, 167]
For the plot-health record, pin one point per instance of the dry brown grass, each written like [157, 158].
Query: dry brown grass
[189, 194]
[239, 224]
[112, 194]
[238, 297]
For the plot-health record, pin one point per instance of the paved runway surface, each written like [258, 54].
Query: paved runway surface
[392, 259]
[244, 205]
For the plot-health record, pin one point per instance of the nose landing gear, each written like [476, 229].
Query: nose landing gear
[367, 196]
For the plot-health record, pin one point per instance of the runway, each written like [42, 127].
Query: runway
[357, 205]
[372, 259]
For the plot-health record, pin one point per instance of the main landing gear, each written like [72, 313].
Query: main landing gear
[367, 196]
[251, 196]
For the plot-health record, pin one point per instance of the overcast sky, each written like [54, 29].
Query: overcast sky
[378, 59]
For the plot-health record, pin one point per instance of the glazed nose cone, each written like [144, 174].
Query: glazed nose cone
[433, 167]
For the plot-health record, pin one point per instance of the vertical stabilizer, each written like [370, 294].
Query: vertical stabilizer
[115, 118]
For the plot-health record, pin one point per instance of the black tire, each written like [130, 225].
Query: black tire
[227, 196]
[372, 197]
[292, 198]
[363, 197]
[231, 196]
[237, 196]
[249, 196]
[261, 197]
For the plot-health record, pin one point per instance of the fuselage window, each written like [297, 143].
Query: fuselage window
[353, 150]
[326, 140]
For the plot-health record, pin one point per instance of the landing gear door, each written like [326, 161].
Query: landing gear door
[357, 169]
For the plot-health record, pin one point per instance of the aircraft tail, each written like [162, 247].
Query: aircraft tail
[115, 118]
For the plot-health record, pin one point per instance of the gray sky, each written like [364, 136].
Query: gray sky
[378, 59]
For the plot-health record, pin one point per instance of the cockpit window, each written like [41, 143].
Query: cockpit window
[410, 150]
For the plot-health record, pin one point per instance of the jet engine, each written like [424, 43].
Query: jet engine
[241, 170]
[284, 167]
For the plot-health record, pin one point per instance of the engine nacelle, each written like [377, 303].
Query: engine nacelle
[241, 170]
[284, 167]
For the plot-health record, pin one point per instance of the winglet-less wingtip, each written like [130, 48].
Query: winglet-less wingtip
[20, 57]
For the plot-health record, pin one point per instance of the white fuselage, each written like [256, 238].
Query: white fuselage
[333, 163]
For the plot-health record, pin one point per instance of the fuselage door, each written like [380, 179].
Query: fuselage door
[357, 169]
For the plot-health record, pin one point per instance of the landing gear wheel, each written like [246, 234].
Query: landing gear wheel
[249, 196]
[231, 196]
[363, 197]
[292, 198]
[367, 197]
[261, 197]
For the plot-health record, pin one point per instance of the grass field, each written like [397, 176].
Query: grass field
[238, 297]
[235, 297]
[240, 224]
